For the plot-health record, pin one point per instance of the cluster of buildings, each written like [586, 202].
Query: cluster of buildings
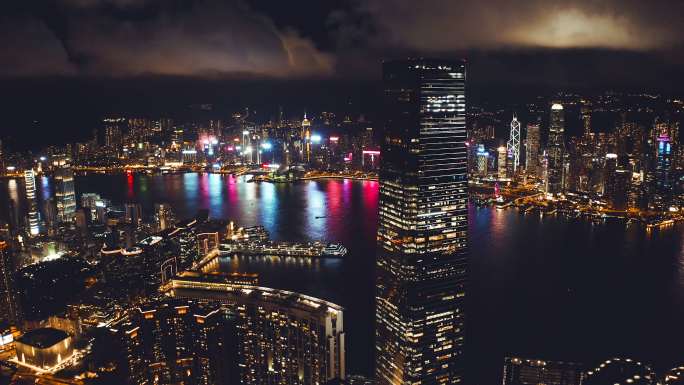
[203, 327]
[521, 371]
[148, 282]
[633, 161]
[222, 333]
[321, 143]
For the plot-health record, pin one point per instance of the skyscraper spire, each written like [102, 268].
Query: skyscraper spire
[513, 144]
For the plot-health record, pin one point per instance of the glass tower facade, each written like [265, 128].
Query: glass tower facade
[556, 150]
[422, 233]
[663, 181]
[532, 155]
[33, 215]
[65, 192]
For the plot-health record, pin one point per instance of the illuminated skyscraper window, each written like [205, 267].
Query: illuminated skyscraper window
[422, 234]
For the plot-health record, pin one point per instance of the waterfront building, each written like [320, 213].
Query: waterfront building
[662, 193]
[520, 371]
[513, 144]
[620, 371]
[556, 150]
[618, 196]
[283, 337]
[532, 149]
[422, 232]
[31, 201]
[482, 160]
[502, 155]
[65, 193]
[207, 242]
[609, 168]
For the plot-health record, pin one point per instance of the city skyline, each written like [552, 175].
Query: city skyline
[332, 52]
[374, 192]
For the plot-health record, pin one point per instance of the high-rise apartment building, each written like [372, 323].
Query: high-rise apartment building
[422, 233]
[180, 342]
[283, 337]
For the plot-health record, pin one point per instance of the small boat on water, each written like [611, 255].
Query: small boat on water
[334, 250]
[285, 249]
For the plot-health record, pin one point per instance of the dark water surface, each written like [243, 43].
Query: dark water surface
[549, 287]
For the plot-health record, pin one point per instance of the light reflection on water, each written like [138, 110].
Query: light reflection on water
[547, 287]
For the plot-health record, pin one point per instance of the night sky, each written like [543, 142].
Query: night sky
[64, 63]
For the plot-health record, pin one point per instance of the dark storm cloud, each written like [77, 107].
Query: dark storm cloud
[128, 38]
[440, 25]
[212, 38]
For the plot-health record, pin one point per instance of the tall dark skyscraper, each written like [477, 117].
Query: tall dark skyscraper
[532, 155]
[556, 150]
[422, 234]
[663, 179]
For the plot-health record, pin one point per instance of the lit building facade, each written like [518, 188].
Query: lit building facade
[556, 150]
[207, 242]
[65, 193]
[31, 201]
[44, 348]
[502, 154]
[284, 338]
[179, 342]
[662, 196]
[674, 376]
[482, 160]
[520, 371]
[163, 215]
[620, 371]
[422, 233]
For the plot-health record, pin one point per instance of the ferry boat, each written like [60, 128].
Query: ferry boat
[288, 249]
[335, 250]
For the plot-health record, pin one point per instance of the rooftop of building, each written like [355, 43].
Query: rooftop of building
[43, 338]
[257, 293]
